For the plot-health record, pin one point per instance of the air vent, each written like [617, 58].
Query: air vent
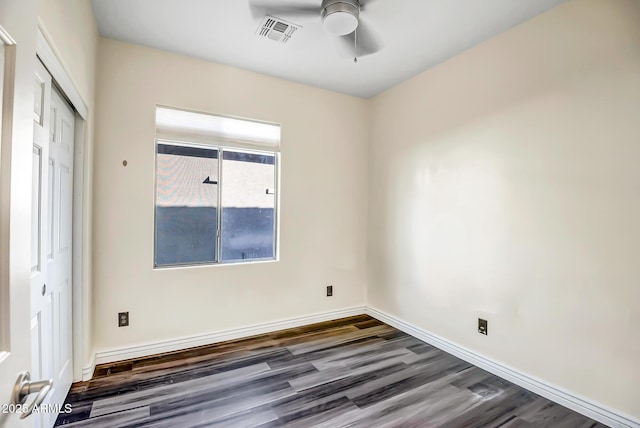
[277, 29]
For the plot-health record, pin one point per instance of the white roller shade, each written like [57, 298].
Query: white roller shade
[182, 124]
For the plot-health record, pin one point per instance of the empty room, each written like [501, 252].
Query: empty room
[319, 213]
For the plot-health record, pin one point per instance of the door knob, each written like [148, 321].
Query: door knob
[24, 386]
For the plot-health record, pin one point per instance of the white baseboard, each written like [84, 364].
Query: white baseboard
[87, 372]
[171, 345]
[563, 397]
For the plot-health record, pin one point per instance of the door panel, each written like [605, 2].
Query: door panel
[40, 88]
[36, 206]
[63, 227]
[36, 344]
[50, 210]
[41, 298]
[59, 265]
[52, 190]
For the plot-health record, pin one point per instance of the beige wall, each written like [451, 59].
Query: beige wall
[70, 27]
[323, 200]
[505, 185]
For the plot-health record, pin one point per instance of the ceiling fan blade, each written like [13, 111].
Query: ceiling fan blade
[368, 43]
[260, 9]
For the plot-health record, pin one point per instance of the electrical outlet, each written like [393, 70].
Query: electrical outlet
[123, 319]
[329, 290]
[483, 327]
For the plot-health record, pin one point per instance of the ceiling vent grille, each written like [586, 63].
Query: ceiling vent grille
[276, 29]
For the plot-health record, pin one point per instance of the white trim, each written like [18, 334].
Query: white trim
[87, 372]
[563, 397]
[5, 38]
[177, 344]
[56, 69]
[7, 82]
[78, 246]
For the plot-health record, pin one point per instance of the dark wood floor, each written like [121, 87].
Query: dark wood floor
[355, 372]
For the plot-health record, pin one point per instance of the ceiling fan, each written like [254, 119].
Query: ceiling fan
[342, 18]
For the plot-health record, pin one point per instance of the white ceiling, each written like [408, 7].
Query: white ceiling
[414, 34]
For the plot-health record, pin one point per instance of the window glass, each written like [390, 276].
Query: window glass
[248, 205]
[186, 205]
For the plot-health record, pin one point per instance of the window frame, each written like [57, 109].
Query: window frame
[220, 146]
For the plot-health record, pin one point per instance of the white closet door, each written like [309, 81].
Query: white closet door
[51, 334]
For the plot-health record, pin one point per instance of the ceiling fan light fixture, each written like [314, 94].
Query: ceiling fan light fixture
[340, 17]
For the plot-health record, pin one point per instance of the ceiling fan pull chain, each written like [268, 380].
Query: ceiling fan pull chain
[355, 45]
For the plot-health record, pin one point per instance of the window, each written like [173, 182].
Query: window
[216, 195]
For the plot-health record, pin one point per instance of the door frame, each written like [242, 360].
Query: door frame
[6, 114]
[81, 280]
